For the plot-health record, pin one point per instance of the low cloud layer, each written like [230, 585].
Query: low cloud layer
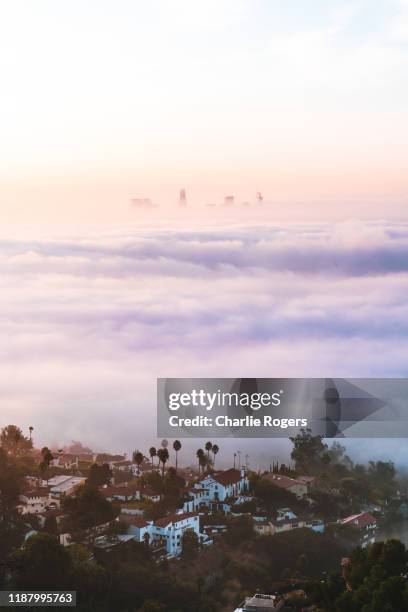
[88, 323]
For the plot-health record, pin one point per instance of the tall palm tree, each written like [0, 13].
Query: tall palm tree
[31, 429]
[204, 462]
[163, 455]
[138, 459]
[177, 447]
[215, 450]
[199, 454]
[208, 447]
[152, 453]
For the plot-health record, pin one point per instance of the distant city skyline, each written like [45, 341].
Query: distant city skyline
[102, 103]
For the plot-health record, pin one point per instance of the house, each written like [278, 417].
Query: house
[149, 494]
[138, 527]
[221, 485]
[122, 494]
[34, 501]
[293, 485]
[365, 523]
[108, 543]
[193, 497]
[67, 486]
[261, 603]
[287, 521]
[165, 533]
[123, 465]
[42, 517]
[285, 514]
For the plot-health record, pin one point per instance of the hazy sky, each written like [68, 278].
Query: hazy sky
[108, 99]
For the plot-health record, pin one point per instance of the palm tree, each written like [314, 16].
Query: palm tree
[31, 429]
[208, 447]
[215, 450]
[138, 459]
[204, 462]
[199, 454]
[177, 447]
[163, 455]
[152, 453]
[164, 443]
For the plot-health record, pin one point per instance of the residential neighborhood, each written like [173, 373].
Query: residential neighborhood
[151, 506]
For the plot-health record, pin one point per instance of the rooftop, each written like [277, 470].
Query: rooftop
[360, 521]
[227, 477]
[174, 518]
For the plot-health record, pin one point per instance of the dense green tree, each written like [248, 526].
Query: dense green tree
[42, 564]
[189, 544]
[86, 510]
[99, 475]
[309, 452]
[14, 443]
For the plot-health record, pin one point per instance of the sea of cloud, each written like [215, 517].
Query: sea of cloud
[88, 322]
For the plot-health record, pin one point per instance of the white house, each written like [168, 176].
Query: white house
[35, 501]
[167, 531]
[223, 484]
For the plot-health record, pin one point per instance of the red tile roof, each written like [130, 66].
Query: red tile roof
[148, 491]
[227, 477]
[284, 482]
[360, 521]
[173, 518]
[122, 491]
[137, 521]
[36, 493]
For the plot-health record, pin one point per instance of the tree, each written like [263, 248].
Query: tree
[99, 475]
[86, 510]
[14, 443]
[50, 525]
[177, 447]
[204, 462]
[215, 451]
[42, 564]
[309, 452]
[10, 484]
[163, 455]
[199, 454]
[208, 447]
[47, 457]
[138, 458]
[152, 453]
[189, 544]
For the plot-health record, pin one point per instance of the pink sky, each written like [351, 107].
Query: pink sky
[101, 103]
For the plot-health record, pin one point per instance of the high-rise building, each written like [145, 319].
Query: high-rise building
[183, 198]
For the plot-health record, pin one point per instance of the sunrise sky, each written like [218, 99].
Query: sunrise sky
[105, 100]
